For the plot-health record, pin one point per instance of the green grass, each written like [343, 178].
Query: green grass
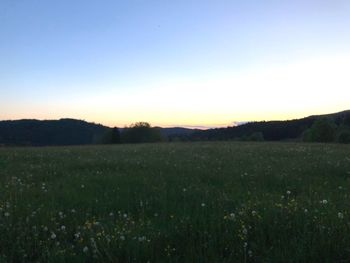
[183, 202]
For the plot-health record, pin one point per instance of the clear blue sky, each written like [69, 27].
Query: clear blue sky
[173, 62]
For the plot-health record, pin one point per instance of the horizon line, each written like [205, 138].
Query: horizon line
[201, 127]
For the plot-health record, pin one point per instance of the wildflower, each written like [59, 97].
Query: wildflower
[305, 210]
[232, 215]
[85, 249]
[203, 204]
[7, 214]
[53, 235]
[111, 214]
[141, 239]
[63, 228]
[340, 215]
[253, 213]
[46, 229]
[82, 186]
[73, 210]
[288, 192]
[122, 237]
[324, 201]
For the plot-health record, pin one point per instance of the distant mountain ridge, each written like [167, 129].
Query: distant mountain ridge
[78, 132]
[271, 130]
[50, 132]
[31, 132]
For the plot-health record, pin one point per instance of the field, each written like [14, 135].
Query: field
[181, 202]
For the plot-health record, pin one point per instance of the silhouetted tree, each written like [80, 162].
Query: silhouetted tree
[347, 120]
[256, 136]
[115, 135]
[112, 136]
[141, 132]
[344, 136]
[323, 130]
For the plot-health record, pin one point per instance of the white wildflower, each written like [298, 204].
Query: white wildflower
[141, 239]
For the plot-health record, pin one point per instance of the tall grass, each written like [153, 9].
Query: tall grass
[183, 202]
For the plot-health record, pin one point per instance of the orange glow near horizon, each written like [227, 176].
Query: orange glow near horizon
[274, 92]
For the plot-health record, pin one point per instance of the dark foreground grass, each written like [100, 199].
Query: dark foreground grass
[195, 202]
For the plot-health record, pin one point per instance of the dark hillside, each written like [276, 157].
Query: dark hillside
[271, 130]
[50, 132]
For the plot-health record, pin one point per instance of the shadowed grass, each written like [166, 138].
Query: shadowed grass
[183, 202]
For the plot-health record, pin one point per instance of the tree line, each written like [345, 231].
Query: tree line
[325, 128]
[140, 132]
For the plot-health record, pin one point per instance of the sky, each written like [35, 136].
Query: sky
[173, 63]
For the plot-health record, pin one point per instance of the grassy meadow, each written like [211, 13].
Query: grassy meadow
[176, 202]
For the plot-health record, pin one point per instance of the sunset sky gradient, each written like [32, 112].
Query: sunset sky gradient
[173, 63]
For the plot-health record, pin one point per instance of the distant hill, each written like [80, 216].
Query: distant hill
[78, 132]
[271, 130]
[50, 132]
[62, 132]
[168, 132]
